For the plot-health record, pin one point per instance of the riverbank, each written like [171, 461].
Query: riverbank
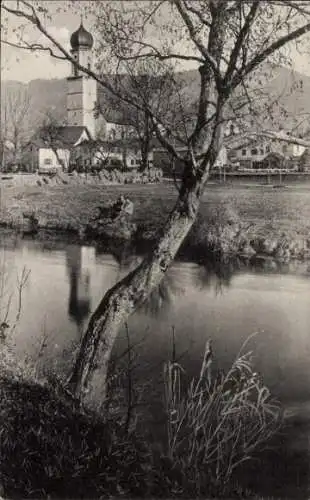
[252, 222]
[53, 448]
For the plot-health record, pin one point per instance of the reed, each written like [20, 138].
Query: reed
[216, 423]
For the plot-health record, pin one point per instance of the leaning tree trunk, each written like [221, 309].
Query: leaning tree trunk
[88, 378]
[89, 375]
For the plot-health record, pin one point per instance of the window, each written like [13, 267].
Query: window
[47, 161]
[112, 134]
[243, 152]
[132, 162]
[267, 149]
[254, 151]
[261, 151]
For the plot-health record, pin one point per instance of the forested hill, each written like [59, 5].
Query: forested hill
[288, 91]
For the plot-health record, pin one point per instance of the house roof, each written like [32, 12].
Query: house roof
[129, 143]
[273, 155]
[61, 137]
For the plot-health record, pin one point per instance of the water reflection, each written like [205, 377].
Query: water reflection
[226, 300]
[217, 274]
[79, 302]
[213, 275]
[163, 295]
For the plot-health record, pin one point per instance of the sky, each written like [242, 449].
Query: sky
[25, 66]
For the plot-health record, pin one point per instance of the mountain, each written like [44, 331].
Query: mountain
[286, 90]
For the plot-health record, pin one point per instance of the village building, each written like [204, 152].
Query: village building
[266, 150]
[174, 168]
[122, 154]
[49, 154]
[84, 124]
[92, 137]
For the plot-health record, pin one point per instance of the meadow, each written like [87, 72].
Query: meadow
[239, 220]
[287, 208]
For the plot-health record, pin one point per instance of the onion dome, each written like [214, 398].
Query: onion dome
[81, 39]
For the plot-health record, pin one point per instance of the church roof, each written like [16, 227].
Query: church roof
[81, 38]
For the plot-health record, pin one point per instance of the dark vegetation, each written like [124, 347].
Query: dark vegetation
[49, 447]
[210, 426]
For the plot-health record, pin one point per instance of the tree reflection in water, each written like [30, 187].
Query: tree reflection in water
[163, 295]
[213, 274]
[79, 296]
[217, 273]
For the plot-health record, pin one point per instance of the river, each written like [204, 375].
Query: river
[225, 303]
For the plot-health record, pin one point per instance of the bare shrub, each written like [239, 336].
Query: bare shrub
[9, 318]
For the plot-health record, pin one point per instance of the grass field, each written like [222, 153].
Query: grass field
[269, 210]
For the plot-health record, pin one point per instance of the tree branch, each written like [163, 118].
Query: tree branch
[34, 47]
[34, 19]
[262, 56]
[240, 40]
[201, 18]
[202, 49]
[161, 57]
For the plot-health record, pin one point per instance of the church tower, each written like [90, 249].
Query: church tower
[82, 89]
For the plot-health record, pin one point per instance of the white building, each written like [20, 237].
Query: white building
[83, 123]
[253, 149]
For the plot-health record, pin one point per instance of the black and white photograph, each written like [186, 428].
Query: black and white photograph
[155, 249]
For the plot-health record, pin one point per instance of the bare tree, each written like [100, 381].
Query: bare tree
[149, 91]
[229, 41]
[15, 105]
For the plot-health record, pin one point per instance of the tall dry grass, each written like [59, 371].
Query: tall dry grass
[216, 423]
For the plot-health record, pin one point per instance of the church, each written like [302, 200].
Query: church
[90, 137]
[84, 124]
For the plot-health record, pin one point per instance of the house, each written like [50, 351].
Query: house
[304, 162]
[50, 152]
[125, 151]
[121, 153]
[254, 150]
